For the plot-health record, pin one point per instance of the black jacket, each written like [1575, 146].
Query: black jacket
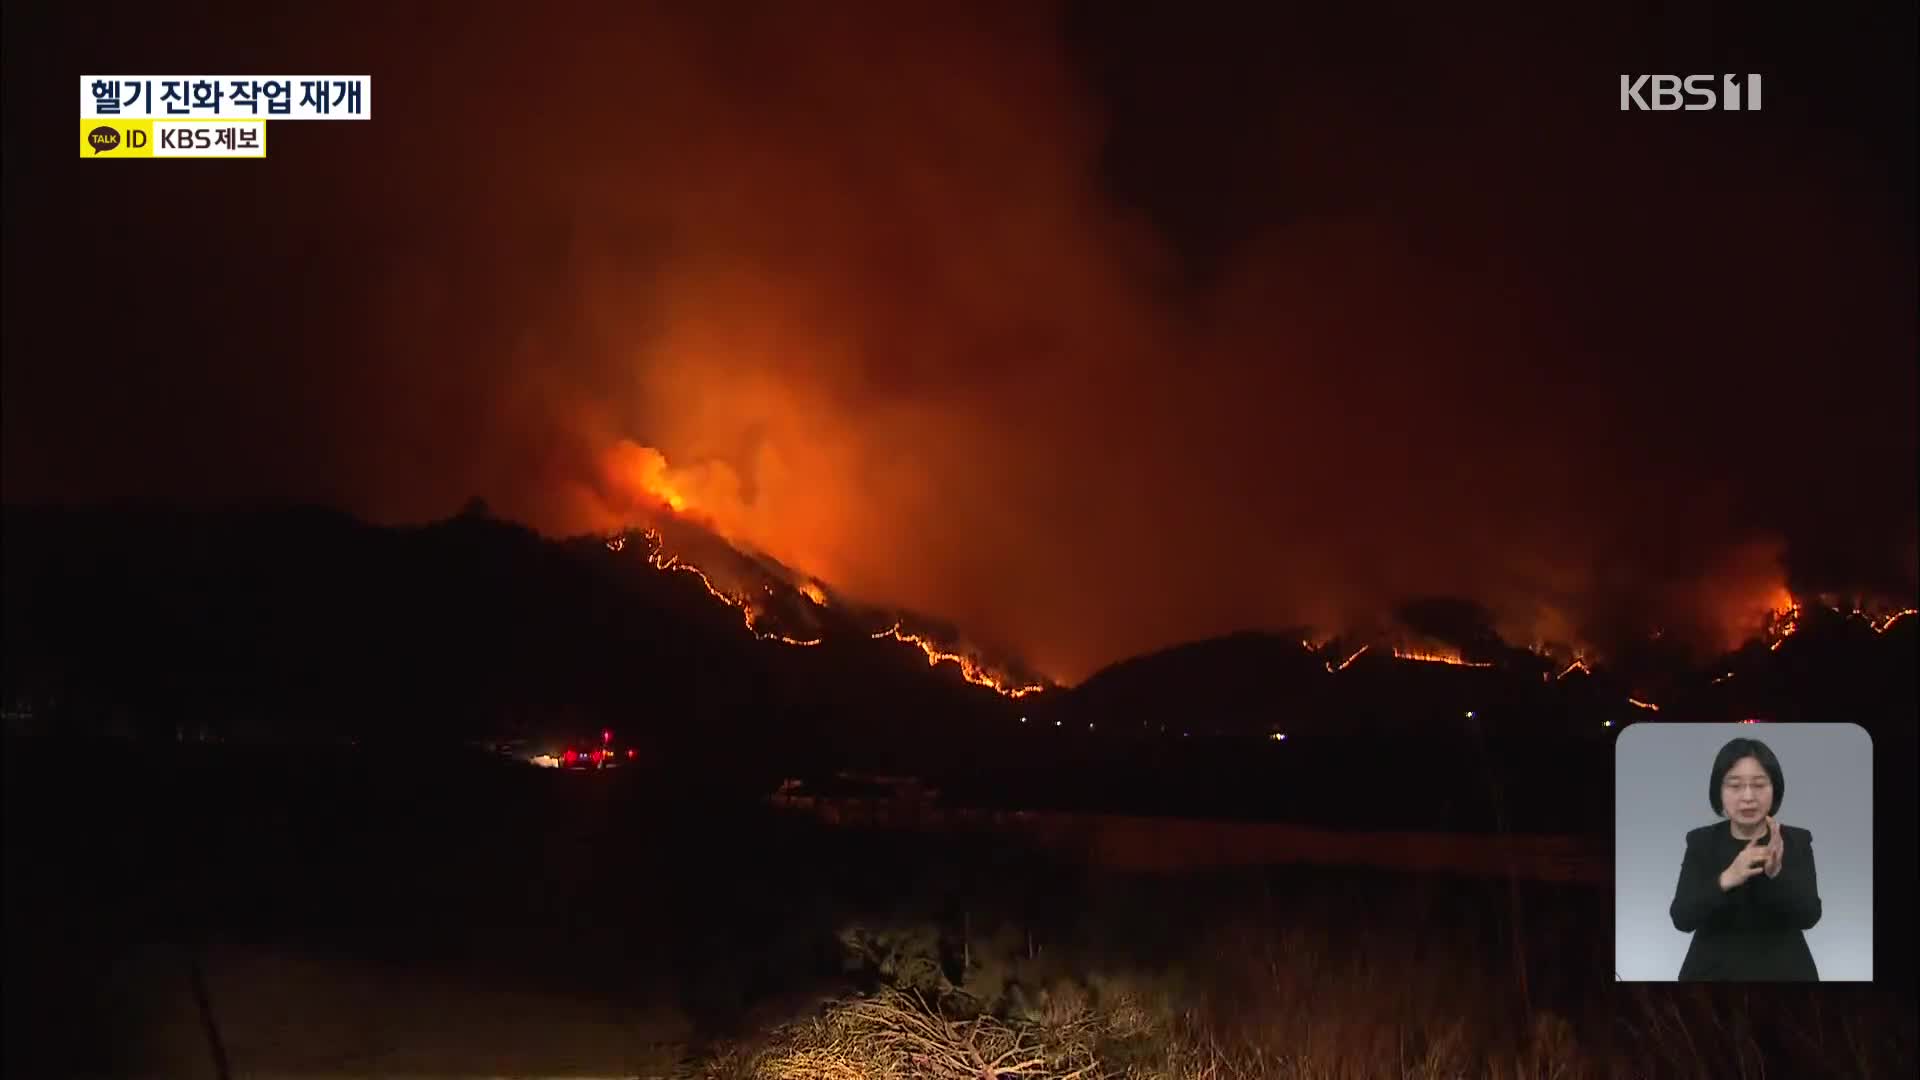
[1751, 933]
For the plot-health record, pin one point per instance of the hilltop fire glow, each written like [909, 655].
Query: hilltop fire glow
[645, 472]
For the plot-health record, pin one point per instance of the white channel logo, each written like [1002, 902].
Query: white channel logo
[1693, 93]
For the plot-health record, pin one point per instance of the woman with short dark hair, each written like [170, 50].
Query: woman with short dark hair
[1747, 889]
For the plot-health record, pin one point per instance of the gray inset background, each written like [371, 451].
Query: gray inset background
[1660, 792]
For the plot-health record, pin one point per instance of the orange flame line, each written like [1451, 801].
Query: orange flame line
[1348, 660]
[659, 559]
[1643, 704]
[970, 668]
[1438, 658]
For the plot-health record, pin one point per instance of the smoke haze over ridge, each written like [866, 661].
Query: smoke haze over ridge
[1091, 339]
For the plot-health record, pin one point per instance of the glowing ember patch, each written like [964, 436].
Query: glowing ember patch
[1886, 624]
[1436, 656]
[1783, 618]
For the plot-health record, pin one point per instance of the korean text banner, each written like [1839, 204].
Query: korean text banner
[268, 97]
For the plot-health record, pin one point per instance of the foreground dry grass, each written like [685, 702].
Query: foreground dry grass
[1667, 1032]
[897, 1035]
[1324, 985]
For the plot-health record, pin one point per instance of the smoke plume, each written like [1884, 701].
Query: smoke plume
[968, 310]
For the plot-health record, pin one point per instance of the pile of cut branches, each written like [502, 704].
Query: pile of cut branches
[898, 1034]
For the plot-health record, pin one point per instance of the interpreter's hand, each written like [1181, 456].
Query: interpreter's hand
[1752, 860]
[1776, 847]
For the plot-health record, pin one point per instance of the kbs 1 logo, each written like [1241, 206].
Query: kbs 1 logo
[207, 116]
[1692, 93]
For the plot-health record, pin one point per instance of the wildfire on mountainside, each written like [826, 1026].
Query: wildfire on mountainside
[660, 559]
[970, 668]
[646, 472]
[1785, 617]
[1782, 617]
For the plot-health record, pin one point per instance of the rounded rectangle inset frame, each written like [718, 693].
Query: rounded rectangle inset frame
[1670, 898]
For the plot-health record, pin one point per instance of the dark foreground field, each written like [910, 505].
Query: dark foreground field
[435, 915]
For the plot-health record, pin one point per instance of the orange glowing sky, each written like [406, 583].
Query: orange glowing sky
[1088, 348]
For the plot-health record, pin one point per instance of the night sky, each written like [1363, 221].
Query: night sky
[1092, 332]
